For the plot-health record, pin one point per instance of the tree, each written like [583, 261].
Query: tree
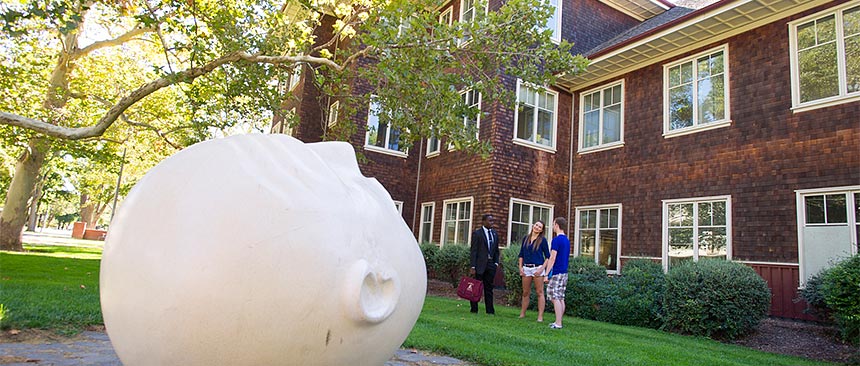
[221, 63]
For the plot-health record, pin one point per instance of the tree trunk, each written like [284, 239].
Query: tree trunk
[14, 213]
[100, 209]
[87, 210]
[34, 205]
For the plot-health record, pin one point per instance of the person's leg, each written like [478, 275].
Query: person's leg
[558, 305]
[541, 297]
[489, 276]
[473, 305]
[527, 289]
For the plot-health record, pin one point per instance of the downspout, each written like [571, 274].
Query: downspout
[570, 163]
[417, 180]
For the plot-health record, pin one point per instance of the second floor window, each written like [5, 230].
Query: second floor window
[380, 136]
[601, 118]
[535, 120]
[554, 21]
[696, 92]
[825, 56]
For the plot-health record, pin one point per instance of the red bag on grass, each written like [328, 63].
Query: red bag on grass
[470, 289]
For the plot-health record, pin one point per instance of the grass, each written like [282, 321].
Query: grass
[50, 287]
[56, 288]
[447, 327]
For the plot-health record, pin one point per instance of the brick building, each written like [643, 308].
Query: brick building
[726, 129]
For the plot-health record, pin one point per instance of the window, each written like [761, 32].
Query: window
[332, 113]
[399, 206]
[554, 21]
[447, 16]
[295, 76]
[524, 214]
[695, 229]
[825, 57]
[602, 118]
[432, 147]
[468, 13]
[284, 124]
[472, 100]
[535, 119]
[457, 221]
[696, 93]
[425, 231]
[828, 221]
[380, 137]
[598, 234]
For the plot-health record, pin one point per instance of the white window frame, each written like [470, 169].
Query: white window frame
[333, 109]
[384, 150]
[431, 153]
[577, 235]
[600, 146]
[852, 223]
[536, 145]
[295, 76]
[556, 34]
[547, 229]
[697, 126]
[843, 96]
[399, 206]
[449, 13]
[445, 204]
[695, 201]
[424, 220]
[466, 118]
[464, 41]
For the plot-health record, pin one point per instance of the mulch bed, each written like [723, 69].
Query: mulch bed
[783, 336]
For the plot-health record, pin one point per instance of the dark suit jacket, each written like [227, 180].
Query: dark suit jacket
[479, 253]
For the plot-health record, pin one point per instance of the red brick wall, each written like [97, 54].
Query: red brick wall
[588, 23]
[766, 154]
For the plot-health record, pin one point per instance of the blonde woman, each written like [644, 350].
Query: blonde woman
[534, 254]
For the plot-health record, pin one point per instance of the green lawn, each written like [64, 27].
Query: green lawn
[51, 287]
[447, 327]
[56, 287]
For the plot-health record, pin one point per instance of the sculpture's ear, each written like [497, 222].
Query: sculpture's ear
[370, 294]
[339, 156]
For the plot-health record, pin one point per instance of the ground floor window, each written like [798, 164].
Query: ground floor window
[696, 228]
[425, 232]
[457, 221]
[828, 227]
[523, 214]
[598, 234]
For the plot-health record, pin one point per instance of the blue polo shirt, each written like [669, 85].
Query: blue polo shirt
[561, 245]
[534, 256]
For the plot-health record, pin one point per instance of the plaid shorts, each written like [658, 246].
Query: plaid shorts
[557, 286]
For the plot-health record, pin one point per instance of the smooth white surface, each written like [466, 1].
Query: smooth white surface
[260, 250]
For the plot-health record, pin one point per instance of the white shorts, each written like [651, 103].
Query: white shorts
[532, 271]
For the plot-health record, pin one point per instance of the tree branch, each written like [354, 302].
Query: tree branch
[110, 42]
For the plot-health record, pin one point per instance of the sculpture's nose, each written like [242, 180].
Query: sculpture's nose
[371, 294]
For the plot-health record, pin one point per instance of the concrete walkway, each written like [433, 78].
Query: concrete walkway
[94, 349]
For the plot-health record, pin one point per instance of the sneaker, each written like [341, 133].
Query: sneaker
[554, 326]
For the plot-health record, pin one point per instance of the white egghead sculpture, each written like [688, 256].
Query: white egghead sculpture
[260, 250]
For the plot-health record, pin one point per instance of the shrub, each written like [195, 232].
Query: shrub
[588, 289]
[451, 263]
[714, 298]
[840, 286]
[636, 296]
[513, 281]
[814, 296]
[429, 251]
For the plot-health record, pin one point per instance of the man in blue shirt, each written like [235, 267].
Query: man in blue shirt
[558, 259]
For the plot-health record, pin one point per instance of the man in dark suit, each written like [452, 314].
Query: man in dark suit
[484, 258]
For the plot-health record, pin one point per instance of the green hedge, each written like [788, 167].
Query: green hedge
[588, 289]
[636, 296]
[451, 263]
[513, 281]
[840, 286]
[714, 298]
[429, 250]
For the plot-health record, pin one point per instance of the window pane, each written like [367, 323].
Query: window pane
[680, 245]
[463, 234]
[394, 141]
[687, 72]
[705, 214]
[544, 131]
[719, 209]
[712, 242]
[586, 243]
[432, 145]
[451, 211]
[717, 63]
[518, 231]
[590, 133]
[525, 122]
[616, 94]
[613, 218]
[814, 209]
[612, 124]
[819, 77]
[675, 76]
[712, 99]
[588, 219]
[704, 67]
[852, 61]
[465, 210]
[837, 211]
[851, 21]
[426, 234]
[681, 215]
[450, 231]
[806, 35]
[681, 107]
[825, 29]
[608, 249]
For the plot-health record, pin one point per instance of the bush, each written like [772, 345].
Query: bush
[588, 289]
[451, 263]
[714, 298]
[840, 286]
[636, 296]
[513, 281]
[814, 296]
[429, 251]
